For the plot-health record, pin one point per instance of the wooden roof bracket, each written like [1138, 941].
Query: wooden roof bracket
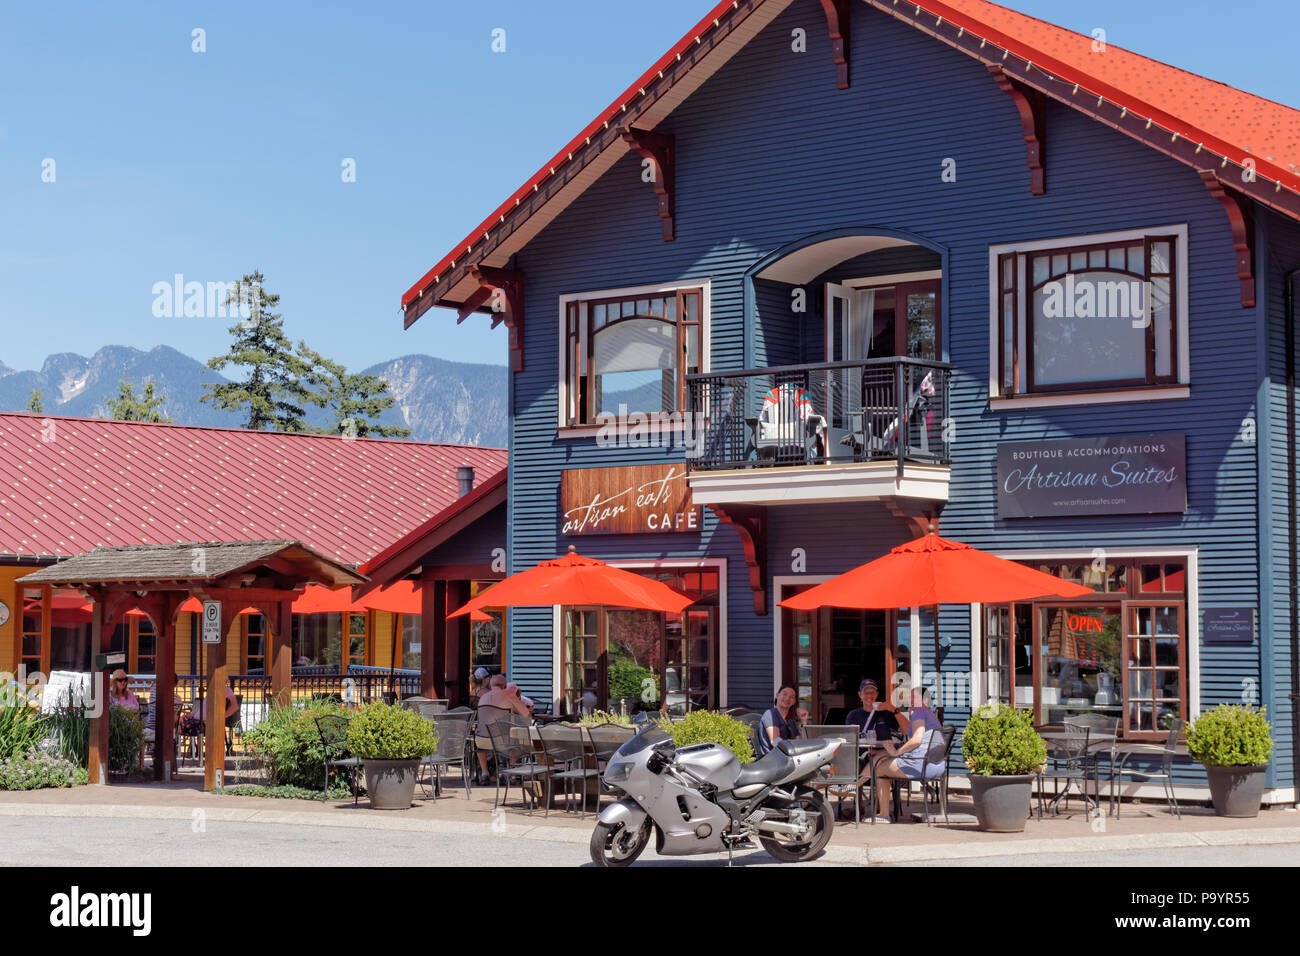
[918, 524]
[837, 22]
[1241, 217]
[1032, 106]
[508, 308]
[750, 522]
[660, 149]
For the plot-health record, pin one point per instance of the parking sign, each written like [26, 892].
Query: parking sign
[211, 622]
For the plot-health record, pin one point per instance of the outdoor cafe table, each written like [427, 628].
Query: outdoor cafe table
[1098, 744]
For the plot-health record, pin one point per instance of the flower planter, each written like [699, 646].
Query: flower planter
[391, 783]
[1001, 803]
[1236, 791]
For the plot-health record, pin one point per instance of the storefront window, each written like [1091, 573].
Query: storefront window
[581, 670]
[356, 639]
[146, 644]
[1080, 667]
[255, 643]
[644, 659]
[33, 629]
[487, 638]
[412, 648]
[318, 640]
[1120, 655]
[1155, 666]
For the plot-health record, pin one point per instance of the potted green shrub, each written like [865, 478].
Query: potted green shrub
[1234, 744]
[1003, 752]
[390, 742]
[711, 727]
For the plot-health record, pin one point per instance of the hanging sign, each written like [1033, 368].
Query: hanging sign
[639, 499]
[211, 622]
[1106, 475]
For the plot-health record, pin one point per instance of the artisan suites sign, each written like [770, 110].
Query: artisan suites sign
[632, 500]
[1107, 475]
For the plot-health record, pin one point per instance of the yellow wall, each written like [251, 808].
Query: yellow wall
[381, 638]
[9, 630]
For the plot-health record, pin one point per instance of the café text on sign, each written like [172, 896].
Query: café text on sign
[639, 499]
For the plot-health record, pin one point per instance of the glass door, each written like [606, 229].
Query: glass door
[919, 325]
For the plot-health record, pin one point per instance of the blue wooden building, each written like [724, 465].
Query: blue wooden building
[788, 302]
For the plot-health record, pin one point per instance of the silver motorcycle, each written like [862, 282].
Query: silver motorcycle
[701, 799]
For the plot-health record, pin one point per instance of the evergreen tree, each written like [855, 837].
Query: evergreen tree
[126, 407]
[356, 400]
[273, 389]
[36, 404]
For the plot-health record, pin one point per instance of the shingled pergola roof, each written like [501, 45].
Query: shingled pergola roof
[191, 562]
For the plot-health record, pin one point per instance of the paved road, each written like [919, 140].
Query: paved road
[99, 842]
[1197, 856]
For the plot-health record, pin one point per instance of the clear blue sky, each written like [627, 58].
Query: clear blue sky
[213, 164]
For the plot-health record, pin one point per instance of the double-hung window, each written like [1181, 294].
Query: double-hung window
[1093, 314]
[630, 354]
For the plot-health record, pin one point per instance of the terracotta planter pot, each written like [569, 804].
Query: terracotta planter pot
[1001, 803]
[391, 783]
[1236, 791]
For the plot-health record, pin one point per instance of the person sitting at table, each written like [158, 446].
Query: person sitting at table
[921, 751]
[876, 719]
[119, 694]
[781, 722]
[478, 685]
[513, 688]
[500, 701]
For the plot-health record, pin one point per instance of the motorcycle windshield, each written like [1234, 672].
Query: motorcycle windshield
[652, 735]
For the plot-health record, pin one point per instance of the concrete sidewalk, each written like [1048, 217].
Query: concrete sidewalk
[1140, 827]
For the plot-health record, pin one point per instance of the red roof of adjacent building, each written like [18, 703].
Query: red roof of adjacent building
[68, 485]
[1227, 121]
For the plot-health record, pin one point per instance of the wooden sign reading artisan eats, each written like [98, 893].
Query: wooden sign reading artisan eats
[639, 499]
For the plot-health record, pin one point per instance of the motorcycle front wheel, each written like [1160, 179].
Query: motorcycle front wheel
[616, 845]
[823, 823]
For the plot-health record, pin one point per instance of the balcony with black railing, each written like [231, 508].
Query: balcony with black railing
[827, 431]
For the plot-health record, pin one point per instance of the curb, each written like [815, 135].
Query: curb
[851, 855]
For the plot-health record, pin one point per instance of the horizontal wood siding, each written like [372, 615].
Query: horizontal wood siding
[1281, 254]
[768, 152]
[779, 330]
[474, 545]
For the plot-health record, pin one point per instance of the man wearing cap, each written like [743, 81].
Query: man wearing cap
[876, 719]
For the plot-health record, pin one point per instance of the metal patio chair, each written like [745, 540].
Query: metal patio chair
[333, 730]
[516, 760]
[840, 778]
[453, 731]
[1099, 726]
[1166, 772]
[1072, 763]
[572, 756]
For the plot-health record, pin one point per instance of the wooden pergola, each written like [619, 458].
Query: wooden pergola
[156, 580]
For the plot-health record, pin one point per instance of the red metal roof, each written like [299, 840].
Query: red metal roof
[68, 485]
[1226, 120]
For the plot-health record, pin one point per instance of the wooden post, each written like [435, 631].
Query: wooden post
[100, 639]
[456, 641]
[282, 654]
[214, 738]
[164, 691]
[433, 637]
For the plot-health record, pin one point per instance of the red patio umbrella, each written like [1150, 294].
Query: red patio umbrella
[931, 571]
[318, 599]
[577, 581]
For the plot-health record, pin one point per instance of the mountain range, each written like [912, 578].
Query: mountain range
[439, 400]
